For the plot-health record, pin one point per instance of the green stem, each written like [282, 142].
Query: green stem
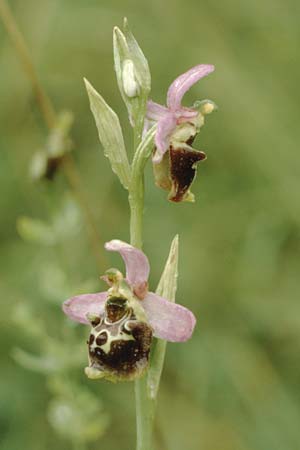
[145, 413]
[145, 406]
[136, 189]
[145, 403]
[136, 202]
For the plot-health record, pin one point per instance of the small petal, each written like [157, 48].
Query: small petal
[169, 321]
[165, 127]
[155, 111]
[78, 307]
[184, 82]
[184, 114]
[136, 262]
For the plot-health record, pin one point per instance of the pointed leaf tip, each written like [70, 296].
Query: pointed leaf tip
[168, 282]
[110, 134]
[139, 59]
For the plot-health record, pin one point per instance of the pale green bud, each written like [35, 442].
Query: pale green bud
[133, 75]
[130, 84]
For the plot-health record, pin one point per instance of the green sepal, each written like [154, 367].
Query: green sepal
[138, 58]
[126, 49]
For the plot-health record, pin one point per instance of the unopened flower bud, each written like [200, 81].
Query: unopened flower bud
[130, 83]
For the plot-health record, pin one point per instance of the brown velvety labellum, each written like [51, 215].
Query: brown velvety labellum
[183, 170]
[119, 345]
[125, 358]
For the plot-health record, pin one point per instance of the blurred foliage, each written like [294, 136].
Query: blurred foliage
[235, 385]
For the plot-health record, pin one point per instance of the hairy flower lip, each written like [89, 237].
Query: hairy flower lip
[170, 321]
[183, 171]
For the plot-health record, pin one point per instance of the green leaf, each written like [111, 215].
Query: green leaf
[110, 135]
[167, 285]
[166, 288]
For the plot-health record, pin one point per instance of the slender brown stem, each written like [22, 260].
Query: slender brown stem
[22, 50]
[49, 115]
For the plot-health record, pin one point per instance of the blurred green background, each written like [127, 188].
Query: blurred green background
[235, 385]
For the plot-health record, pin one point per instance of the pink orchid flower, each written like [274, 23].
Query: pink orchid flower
[125, 317]
[174, 159]
[174, 114]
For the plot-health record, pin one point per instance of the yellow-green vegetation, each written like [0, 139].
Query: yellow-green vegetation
[235, 385]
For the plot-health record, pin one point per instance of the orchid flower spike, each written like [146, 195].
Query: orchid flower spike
[174, 160]
[126, 317]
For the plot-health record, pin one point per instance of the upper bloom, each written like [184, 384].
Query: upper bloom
[177, 127]
[125, 317]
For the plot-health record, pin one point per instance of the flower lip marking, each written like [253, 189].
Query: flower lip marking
[119, 346]
[127, 322]
[116, 308]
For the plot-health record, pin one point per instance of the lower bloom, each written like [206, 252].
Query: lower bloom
[126, 317]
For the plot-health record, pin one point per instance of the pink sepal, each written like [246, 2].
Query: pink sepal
[169, 321]
[184, 82]
[165, 127]
[78, 307]
[136, 262]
